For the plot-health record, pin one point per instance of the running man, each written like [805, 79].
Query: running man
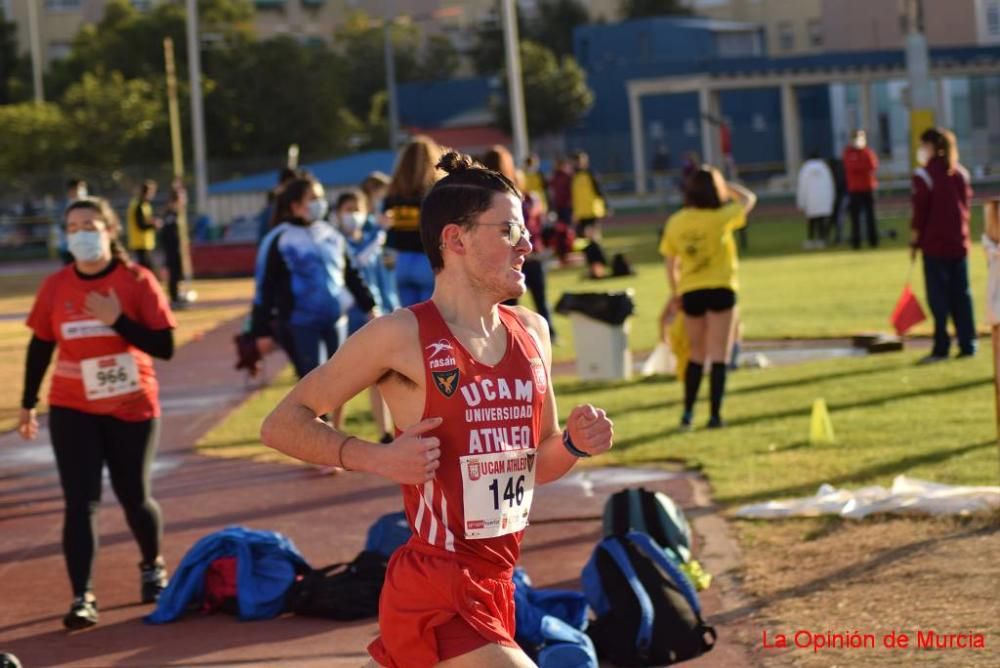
[467, 380]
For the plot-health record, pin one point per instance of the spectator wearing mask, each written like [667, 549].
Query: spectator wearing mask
[307, 283]
[860, 167]
[942, 193]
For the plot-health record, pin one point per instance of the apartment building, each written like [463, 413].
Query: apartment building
[873, 25]
[791, 27]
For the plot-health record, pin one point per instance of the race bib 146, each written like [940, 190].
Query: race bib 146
[497, 489]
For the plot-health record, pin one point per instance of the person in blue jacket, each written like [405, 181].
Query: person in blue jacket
[306, 283]
[365, 244]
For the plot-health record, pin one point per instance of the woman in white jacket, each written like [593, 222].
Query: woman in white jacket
[814, 197]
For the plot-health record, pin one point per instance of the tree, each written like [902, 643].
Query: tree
[637, 9]
[112, 119]
[488, 55]
[35, 139]
[555, 23]
[555, 91]
[131, 42]
[361, 43]
[440, 59]
[8, 58]
[267, 95]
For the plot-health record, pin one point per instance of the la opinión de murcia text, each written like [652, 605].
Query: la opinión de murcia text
[819, 641]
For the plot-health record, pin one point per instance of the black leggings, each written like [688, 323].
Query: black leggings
[83, 444]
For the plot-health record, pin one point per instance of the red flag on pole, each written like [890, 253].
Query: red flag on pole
[907, 313]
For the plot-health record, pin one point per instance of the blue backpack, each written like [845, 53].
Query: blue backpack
[387, 534]
[648, 613]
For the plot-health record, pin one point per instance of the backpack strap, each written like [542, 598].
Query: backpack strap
[644, 638]
[654, 552]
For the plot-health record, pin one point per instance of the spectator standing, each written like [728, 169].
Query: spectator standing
[170, 237]
[814, 197]
[107, 317]
[589, 207]
[365, 240]
[700, 256]
[142, 225]
[413, 178]
[942, 193]
[860, 167]
[306, 281]
[562, 201]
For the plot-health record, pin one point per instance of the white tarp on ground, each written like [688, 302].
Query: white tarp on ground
[907, 495]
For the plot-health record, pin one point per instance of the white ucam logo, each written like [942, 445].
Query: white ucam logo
[438, 347]
[492, 389]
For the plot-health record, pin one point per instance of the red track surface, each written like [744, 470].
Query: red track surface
[326, 516]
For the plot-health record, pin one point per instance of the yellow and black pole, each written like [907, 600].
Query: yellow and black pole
[177, 151]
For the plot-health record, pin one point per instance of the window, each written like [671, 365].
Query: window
[993, 18]
[814, 28]
[786, 36]
[62, 5]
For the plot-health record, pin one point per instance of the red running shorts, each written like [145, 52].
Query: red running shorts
[434, 608]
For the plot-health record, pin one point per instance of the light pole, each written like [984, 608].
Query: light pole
[390, 79]
[197, 109]
[36, 51]
[918, 76]
[515, 91]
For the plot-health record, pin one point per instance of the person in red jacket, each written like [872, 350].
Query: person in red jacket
[942, 192]
[860, 166]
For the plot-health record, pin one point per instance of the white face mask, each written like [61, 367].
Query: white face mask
[924, 155]
[87, 245]
[860, 142]
[317, 209]
[81, 193]
[351, 222]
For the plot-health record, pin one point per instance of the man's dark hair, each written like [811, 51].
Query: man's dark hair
[73, 184]
[458, 198]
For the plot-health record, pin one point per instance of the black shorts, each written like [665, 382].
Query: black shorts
[697, 302]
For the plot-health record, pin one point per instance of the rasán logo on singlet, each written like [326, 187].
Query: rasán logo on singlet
[446, 381]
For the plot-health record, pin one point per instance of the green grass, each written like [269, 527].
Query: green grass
[785, 292]
[889, 415]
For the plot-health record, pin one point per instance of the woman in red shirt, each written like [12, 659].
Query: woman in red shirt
[107, 316]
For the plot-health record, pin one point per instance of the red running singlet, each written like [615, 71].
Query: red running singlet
[448, 591]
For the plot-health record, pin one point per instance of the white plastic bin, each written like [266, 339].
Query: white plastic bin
[602, 351]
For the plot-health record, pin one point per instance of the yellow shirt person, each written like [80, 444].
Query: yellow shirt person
[702, 239]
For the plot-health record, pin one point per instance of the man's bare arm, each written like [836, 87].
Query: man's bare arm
[294, 428]
[554, 460]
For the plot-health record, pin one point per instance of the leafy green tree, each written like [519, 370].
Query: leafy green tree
[555, 23]
[35, 137]
[556, 94]
[131, 42]
[112, 119]
[267, 95]
[488, 56]
[9, 58]
[440, 59]
[637, 9]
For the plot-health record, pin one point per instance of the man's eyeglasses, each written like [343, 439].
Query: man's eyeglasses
[515, 232]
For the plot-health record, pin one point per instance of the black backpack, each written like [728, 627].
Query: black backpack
[341, 591]
[648, 613]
